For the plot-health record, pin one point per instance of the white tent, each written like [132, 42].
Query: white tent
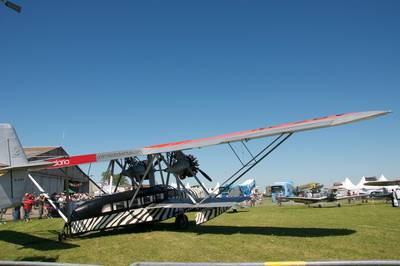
[382, 178]
[360, 184]
[346, 184]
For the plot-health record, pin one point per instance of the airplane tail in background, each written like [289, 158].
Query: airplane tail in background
[12, 157]
[11, 151]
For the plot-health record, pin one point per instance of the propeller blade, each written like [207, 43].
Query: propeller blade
[205, 175]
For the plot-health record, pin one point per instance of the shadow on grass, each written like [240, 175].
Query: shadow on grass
[38, 258]
[232, 212]
[34, 242]
[229, 230]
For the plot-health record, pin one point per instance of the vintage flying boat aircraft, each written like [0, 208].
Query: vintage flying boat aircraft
[332, 196]
[164, 162]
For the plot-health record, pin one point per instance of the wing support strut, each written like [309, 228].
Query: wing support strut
[92, 181]
[237, 156]
[149, 167]
[249, 165]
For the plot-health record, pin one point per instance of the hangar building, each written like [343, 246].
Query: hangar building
[55, 180]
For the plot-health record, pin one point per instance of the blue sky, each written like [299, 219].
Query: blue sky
[110, 76]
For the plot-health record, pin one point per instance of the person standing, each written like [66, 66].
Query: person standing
[17, 213]
[3, 216]
[397, 197]
[41, 200]
[27, 204]
[395, 203]
[348, 194]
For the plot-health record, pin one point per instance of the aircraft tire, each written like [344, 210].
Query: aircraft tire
[181, 221]
[339, 205]
[61, 237]
[319, 206]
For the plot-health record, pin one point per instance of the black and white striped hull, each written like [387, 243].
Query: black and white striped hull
[124, 218]
[208, 214]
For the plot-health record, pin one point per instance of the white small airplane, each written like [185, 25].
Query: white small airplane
[166, 162]
[331, 197]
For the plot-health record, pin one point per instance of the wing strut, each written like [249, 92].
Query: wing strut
[249, 165]
[92, 181]
[237, 156]
[149, 167]
[48, 198]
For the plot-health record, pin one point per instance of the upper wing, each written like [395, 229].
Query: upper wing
[304, 199]
[309, 124]
[383, 183]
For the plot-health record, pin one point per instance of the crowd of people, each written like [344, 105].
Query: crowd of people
[66, 202]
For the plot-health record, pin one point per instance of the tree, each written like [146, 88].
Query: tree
[105, 178]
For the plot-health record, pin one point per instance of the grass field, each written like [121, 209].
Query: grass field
[263, 233]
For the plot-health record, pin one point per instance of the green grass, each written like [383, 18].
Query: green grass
[263, 233]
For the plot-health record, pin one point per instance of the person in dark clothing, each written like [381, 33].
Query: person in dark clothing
[3, 215]
[393, 197]
[17, 213]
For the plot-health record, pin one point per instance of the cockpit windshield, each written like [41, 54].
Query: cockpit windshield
[276, 189]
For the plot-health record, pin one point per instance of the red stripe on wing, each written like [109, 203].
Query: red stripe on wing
[72, 160]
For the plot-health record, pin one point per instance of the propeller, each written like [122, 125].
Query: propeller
[185, 166]
[205, 175]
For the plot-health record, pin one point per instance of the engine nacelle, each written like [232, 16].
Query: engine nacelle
[136, 170]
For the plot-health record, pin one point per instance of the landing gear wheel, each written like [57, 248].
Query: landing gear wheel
[64, 233]
[181, 221]
[339, 205]
[319, 206]
[61, 237]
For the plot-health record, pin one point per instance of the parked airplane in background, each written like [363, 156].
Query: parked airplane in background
[331, 197]
[281, 189]
[384, 183]
[313, 188]
[164, 163]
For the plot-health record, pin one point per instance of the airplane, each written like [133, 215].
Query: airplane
[383, 183]
[312, 187]
[387, 187]
[332, 196]
[165, 162]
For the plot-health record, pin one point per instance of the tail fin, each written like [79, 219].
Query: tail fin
[13, 181]
[11, 151]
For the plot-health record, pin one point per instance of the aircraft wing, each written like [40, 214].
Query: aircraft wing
[31, 166]
[383, 183]
[352, 197]
[304, 199]
[327, 121]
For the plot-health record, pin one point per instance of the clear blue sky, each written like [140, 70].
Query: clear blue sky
[110, 75]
